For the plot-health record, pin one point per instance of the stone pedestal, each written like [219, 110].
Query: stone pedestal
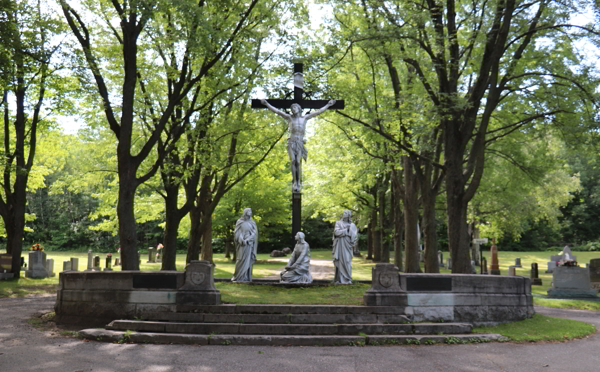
[199, 287]
[37, 265]
[571, 281]
[296, 214]
[385, 288]
[535, 279]
[512, 271]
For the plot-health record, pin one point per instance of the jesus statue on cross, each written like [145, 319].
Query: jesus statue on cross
[296, 141]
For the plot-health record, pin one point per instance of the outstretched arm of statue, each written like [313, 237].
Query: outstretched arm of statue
[321, 110]
[275, 110]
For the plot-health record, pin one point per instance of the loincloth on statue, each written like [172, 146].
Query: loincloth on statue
[296, 146]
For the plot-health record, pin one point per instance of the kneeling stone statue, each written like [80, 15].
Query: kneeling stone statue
[298, 267]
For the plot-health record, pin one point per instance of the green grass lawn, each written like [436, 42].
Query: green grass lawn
[541, 328]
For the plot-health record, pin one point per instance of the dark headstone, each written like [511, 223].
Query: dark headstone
[442, 284]
[154, 281]
[286, 251]
[535, 279]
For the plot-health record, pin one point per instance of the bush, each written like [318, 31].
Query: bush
[588, 247]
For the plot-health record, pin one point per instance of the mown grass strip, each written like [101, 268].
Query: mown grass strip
[541, 328]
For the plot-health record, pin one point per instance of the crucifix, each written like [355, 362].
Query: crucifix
[297, 128]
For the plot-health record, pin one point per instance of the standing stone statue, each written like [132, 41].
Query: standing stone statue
[298, 267]
[345, 235]
[246, 243]
[296, 141]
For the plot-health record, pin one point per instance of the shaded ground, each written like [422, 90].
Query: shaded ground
[26, 348]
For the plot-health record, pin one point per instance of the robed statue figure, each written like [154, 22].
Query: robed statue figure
[246, 243]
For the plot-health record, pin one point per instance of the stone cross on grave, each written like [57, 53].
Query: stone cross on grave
[297, 128]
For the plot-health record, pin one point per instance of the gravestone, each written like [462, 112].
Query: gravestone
[90, 261]
[495, 269]
[385, 287]
[518, 262]
[140, 257]
[512, 271]
[535, 279]
[286, 251]
[473, 267]
[6, 266]
[571, 282]
[108, 263]
[151, 255]
[199, 287]
[50, 267]
[449, 263]
[66, 266]
[96, 266]
[37, 265]
[117, 261]
[559, 259]
[421, 256]
[594, 268]
[74, 264]
[441, 258]
[484, 268]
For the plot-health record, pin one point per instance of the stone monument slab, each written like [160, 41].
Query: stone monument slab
[571, 281]
[385, 287]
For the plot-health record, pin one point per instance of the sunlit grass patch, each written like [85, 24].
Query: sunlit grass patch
[262, 294]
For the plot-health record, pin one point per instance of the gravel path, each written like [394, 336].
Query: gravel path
[25, 348]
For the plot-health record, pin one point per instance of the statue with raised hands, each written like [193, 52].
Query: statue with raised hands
[297, 128]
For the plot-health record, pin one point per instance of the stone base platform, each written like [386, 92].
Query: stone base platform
[282, 340]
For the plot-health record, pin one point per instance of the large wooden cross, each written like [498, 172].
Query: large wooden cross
[305, 104]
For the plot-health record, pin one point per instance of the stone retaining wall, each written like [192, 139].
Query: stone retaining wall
[98, 297]
[476, 299]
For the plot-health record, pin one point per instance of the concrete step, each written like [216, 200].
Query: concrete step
[289, 329]
[279, 318]
[282, 340]
[290, 309]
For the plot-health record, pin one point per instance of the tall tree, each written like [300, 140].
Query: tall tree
[132, 26]
[29, 47]
[474, 61]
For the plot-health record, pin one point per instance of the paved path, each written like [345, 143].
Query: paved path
[24, 348]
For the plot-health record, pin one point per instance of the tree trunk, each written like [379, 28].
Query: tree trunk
[398, 221]
[370, 240]
[14, 238]
[456, 208]
[127, 223]
[429, 229]
[173, 220]
[385, 248]
[207, 250]
[195, 236]
[376, 224]
[411, 217]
